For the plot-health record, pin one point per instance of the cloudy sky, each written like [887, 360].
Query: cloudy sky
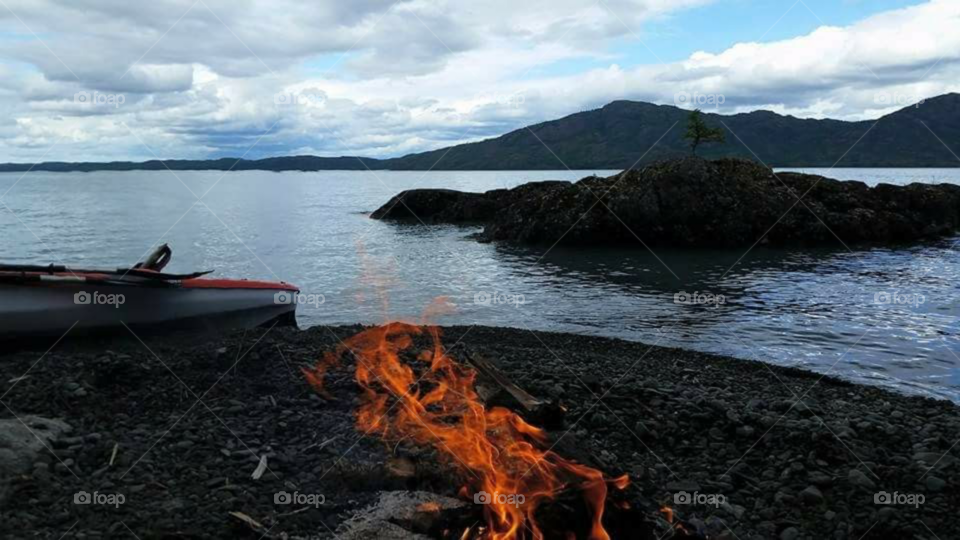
[85, 80]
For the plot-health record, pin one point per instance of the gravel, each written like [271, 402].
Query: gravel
[762, 451]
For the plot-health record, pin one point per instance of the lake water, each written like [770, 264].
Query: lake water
[817, 309]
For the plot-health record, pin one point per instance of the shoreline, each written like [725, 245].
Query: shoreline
[673, 419]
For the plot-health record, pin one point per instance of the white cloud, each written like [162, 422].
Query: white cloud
[200, 77]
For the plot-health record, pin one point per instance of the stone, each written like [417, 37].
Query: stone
[682, 485]
[859, 479]
[887, 513]
[23, 441]
[811, 495]
[379, 520]
[935, 484]
[820, 479]
[790, 533]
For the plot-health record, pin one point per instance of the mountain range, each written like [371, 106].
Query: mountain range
[625, 134]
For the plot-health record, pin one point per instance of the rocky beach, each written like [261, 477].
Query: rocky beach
[199, 437]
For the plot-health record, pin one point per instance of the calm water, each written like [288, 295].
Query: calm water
[811, 308]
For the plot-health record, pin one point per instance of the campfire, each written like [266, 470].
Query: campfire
[523, 489]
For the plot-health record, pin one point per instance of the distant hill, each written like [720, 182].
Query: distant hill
[289, 163]
[617, 135]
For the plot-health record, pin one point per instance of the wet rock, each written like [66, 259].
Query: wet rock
[693, 202]
[437, 206]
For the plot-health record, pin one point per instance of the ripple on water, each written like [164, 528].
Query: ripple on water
[818, 309]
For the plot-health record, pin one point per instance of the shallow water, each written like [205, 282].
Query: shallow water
[818, 309]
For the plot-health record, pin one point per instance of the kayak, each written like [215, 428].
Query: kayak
[49, 300]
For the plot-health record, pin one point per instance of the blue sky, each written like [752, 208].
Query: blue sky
[720, 25]
[202, 78]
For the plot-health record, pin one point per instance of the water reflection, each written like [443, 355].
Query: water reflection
[884, 315]
[813, 308]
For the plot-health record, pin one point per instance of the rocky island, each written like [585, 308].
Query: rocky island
[693, 202]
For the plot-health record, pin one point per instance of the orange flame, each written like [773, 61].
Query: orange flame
[501, 454]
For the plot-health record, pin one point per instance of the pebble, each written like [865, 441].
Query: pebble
[935, 484]
[820, 479]
[790, 533]
[733, 509]
[215, 482]
[708, 445]
[811, 495]
[682, 485]
[859, 479]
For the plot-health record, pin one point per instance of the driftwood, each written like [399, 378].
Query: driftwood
[261, 468]
[493, 383]
[628, 514]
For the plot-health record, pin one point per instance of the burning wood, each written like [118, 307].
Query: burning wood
[548, 414]
[430, 399]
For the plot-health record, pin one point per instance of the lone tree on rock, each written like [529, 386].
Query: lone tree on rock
[699, 132]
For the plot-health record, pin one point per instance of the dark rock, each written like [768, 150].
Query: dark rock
[693, 202]
[188, 491]
[935, 484]
[22, 441]
[859, 479]
[437, 206]
[790, 533]
[811, 495]
[820, 479]
[683, 485]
